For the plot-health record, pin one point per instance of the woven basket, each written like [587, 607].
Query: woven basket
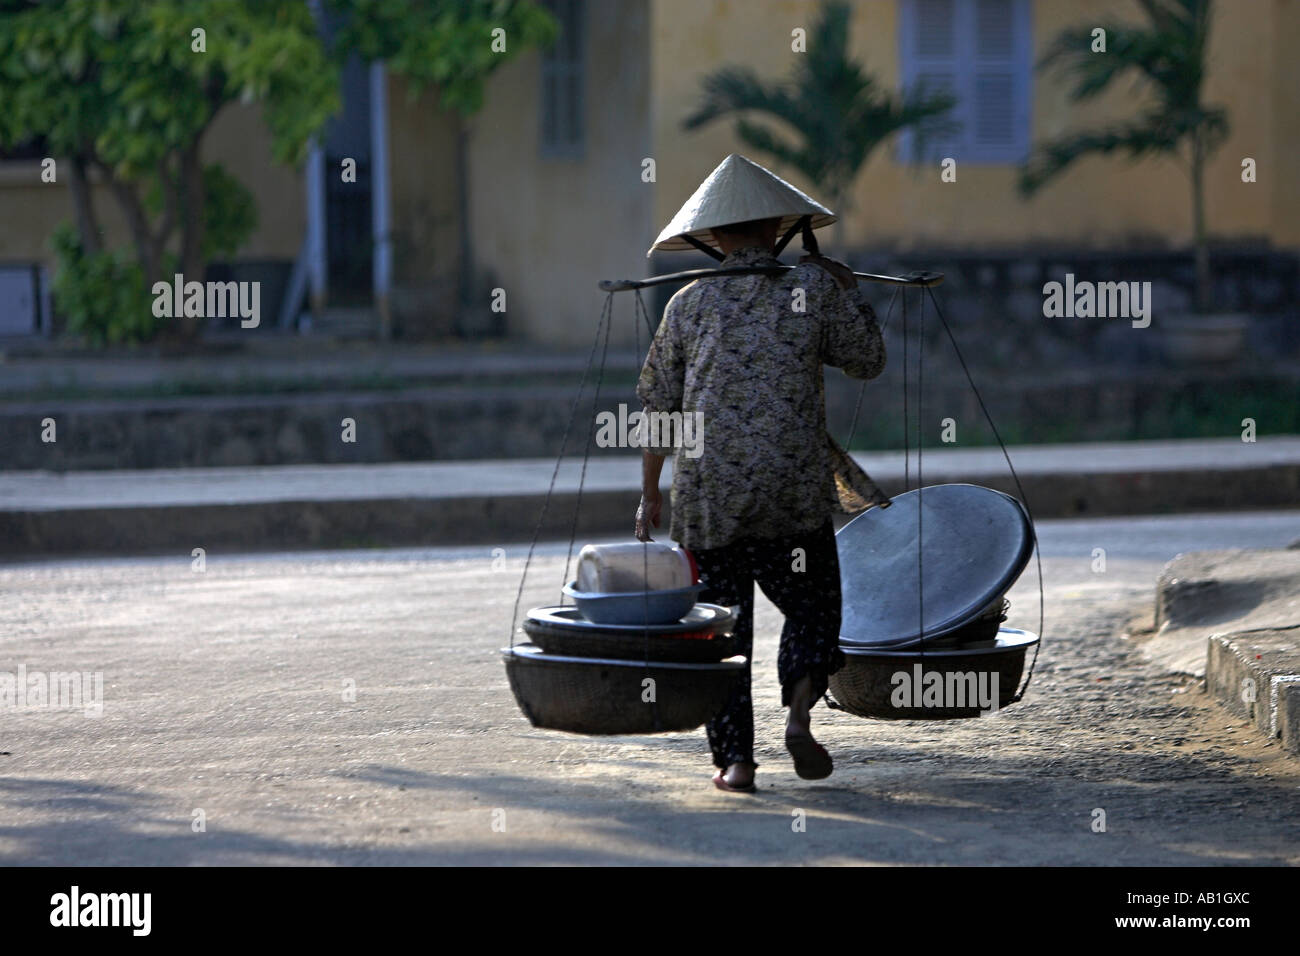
[605, 696]
[866, 685]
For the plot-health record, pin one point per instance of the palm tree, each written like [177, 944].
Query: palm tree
[1168, 57]
[838, 112]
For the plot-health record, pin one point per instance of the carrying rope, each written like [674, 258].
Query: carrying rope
[925, 281]
[606, 321]
[830, 701]
[603, 326]
[862, 390]
[907, 421]
[920, 481]
[645, 547]
[605, 314]
[1033, 530]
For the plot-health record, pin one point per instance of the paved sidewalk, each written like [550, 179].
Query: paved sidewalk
[314, 365]
[489, 501]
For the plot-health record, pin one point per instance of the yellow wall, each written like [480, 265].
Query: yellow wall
[1101, 202]
[30, 209]
[1285, 94]
[422, 167]
[238, 139]
[423, 212]
[550, 228]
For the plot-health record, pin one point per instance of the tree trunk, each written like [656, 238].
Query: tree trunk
[147, 248]
[1204, 285]
[466, 276]
[83, 206]
[192, 265]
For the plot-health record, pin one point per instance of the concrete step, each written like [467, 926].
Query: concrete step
[510, 408]
[1234, 617]
[498, 501]
[343, 323]
[1256, 675]
[282, 362]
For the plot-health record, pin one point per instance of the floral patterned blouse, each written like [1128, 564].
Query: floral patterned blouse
[742, 356]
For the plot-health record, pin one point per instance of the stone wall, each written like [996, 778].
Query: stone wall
[460, 423]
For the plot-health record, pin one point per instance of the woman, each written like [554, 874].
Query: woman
[745, 353]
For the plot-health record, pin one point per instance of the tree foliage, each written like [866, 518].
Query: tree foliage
[446, 46]
[102, 293]
[1166, 58]
[123, 94]
[837, 112]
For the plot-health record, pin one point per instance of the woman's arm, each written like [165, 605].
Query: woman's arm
[660, 388]
[647, 514]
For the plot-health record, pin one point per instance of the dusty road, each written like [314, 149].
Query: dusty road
[227, 735]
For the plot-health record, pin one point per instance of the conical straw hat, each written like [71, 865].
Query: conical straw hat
[737, 191]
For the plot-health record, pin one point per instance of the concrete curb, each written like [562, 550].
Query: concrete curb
[299, 525]
[1257, 676]
[1236, 607]
[45, 514]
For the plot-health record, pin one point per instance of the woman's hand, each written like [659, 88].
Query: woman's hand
[647, 514]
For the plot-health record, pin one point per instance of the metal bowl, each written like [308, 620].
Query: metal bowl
[635, 607]
[710, 618]
[703, 635]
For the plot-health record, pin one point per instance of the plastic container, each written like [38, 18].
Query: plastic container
[633, 567]
[635, 607]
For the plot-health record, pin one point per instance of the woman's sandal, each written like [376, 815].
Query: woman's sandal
[720, 781]
[811, 761]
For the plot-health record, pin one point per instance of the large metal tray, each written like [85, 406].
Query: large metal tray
[977, 542]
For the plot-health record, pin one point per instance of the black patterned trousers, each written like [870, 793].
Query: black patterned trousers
[800, 574]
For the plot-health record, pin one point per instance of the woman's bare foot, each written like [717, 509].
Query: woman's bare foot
[798, 722]
[738, 776]
[811, 761]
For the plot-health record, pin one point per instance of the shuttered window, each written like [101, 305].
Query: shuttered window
[563, 95]
[981, 52]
